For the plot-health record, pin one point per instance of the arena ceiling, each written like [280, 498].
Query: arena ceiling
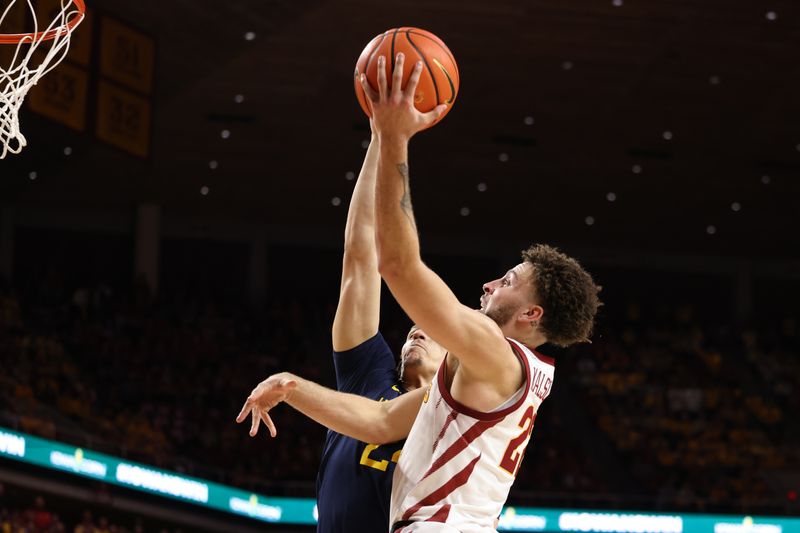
[682, 110]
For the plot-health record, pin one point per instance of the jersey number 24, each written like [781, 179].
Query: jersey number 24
[513, 456]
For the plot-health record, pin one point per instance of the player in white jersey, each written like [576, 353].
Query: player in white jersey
[475, 420]
[475, 454]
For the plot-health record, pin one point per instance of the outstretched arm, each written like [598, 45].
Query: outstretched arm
[349, 414]
[475, 339]
[358, 314]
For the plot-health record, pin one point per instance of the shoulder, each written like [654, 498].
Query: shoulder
[368, 366]
[376, 342]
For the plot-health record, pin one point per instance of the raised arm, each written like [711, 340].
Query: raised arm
[474, 338]
[349, 414]
[358, 314]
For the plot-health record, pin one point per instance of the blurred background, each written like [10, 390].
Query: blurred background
[173, 234]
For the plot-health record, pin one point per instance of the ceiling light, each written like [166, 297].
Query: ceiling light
[711, 230]
[637, 169]
[336, 201]
[350, 175]
[589, 220]
[249, 36]
[465, 211]
[503, 157]
[213, 164]
[528, 121]
[204, 190]
[33, 175]
[611, 197]
[481, 187]
[736, 206]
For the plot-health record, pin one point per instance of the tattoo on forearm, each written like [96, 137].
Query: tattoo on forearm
[405, 201]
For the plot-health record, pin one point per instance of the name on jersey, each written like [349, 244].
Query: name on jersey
[540, 384]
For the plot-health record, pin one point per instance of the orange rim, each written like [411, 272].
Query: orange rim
[14, 38]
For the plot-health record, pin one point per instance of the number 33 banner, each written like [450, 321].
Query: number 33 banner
[61, 96]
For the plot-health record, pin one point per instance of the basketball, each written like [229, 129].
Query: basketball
[439, 81]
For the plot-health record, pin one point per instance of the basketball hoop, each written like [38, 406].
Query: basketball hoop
[16, 78]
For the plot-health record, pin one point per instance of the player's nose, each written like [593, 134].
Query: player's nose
[487, 288]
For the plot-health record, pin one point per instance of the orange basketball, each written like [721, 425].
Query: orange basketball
[438, 83]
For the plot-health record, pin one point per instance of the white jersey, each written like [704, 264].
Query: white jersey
[458, 464]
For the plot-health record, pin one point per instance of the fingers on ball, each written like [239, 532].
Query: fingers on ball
[439, 77]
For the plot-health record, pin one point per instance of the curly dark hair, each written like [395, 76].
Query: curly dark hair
[566, 292]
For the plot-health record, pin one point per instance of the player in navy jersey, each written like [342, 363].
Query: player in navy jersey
[355, 478]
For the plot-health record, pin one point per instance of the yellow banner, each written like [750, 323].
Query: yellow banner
[126, 56]
[61, 96]
[123, 119]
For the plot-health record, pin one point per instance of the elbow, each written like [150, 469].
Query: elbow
[390, 268]
[381, 434]
[356, 255]
[392, 265]
[360, 244]
[381, 430]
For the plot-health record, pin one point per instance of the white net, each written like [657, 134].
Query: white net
[32, 55]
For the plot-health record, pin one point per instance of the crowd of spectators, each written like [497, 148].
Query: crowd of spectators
[157, 384]
[36, 516]
[32, 519]
[700, 415]
[693, 414]
[161, 383]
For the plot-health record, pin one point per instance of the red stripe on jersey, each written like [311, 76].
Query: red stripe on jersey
[452, 416]
[440, 515]
[543, 358]
[441, 378]
[445, 490]
[477, 429]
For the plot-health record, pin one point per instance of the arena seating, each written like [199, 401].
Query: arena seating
[693, 414]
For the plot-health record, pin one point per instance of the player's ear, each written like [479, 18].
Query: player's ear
[532, 313]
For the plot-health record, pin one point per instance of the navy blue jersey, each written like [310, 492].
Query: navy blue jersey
[355, 479]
